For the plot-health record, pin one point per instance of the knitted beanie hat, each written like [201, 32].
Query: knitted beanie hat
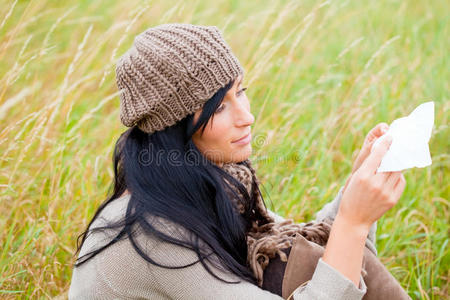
[170, 71]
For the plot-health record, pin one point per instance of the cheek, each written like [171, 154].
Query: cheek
[218, 136]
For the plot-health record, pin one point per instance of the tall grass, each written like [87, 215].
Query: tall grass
[320, 76]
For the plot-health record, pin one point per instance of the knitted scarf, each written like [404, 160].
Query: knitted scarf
[265, 237]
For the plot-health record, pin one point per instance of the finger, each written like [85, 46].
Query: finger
[382, 178]
[363, 153]
[370, 144]
[372, 136]
[374, 159]
[376, 132]
[400, 179]
[400, 186]
[393, 179]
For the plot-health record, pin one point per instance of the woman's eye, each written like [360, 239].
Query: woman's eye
[222, 106]
[219, 109]
[241, 91]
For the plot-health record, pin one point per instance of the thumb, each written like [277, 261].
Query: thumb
[378, 151]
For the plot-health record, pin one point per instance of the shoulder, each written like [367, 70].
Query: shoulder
[113, 212]
[116, 272]
[119, 271]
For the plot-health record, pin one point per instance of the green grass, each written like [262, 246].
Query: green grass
[320, 76]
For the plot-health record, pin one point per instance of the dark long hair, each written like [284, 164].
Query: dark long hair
[169, 178]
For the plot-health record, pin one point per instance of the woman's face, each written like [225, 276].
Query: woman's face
[227, 135]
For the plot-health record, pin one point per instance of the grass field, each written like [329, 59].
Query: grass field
[320, 75]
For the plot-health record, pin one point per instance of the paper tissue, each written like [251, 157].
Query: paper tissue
[410, 136]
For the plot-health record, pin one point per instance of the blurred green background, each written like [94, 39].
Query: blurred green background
[320, 75]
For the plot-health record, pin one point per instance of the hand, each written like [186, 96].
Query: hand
[369, 194]
[371, 137]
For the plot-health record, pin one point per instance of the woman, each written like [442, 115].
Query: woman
[185, 213]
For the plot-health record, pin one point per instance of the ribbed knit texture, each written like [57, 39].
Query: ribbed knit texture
[170, 71]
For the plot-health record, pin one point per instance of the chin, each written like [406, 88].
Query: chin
[242, 154]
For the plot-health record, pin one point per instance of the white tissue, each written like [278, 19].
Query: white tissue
[410, 136]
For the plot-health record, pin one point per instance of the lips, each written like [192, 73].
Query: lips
[242, 138]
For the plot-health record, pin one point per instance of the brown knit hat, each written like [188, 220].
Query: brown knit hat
[170, 71]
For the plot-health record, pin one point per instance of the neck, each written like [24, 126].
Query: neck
[217, 163]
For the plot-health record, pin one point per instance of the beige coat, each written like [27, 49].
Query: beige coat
[118, 272]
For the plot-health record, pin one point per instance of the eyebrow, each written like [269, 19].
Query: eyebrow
[240, 81]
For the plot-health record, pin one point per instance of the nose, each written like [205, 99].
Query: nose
[243, 116]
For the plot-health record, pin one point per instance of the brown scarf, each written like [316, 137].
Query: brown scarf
[266, 238]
